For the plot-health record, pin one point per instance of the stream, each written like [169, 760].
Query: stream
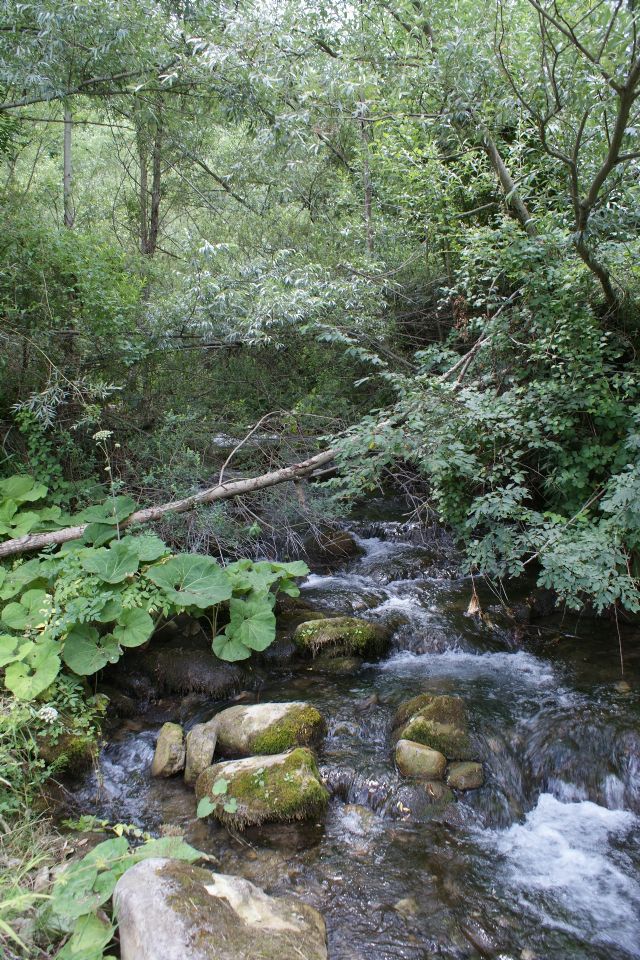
[542, 862]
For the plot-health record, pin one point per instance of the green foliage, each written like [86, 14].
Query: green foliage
[84, 888]
[84, 604]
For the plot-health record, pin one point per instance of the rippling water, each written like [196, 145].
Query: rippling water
[543, 862]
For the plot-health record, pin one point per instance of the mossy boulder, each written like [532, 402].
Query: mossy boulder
[438, 722]
[169, 755]
[342, 637]
[272, 789]
[68, 751]
[266, 728]
[416, 760]
[170, 910]
[465, 776]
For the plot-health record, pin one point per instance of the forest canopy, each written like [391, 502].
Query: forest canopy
[408, 231]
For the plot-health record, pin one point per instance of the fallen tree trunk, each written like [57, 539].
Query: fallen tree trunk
[221, 491]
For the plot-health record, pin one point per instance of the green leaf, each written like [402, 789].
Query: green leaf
[98, 534]
[27, 678]
[85, 651]
[252, 623]
[192, 581]
[22, 489]
[174, 848]
[13, 648]
[229, 649]
[30, 612]
[111, 512]
[23, 575]
[297, 568]
[220, 787]
[205, 807]
[112, 610]
[231, 806]
[147, 546]
[134, 628]
[112, 564]
[90, 936]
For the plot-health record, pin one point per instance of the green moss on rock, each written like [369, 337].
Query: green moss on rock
[300, 727]
[279, 788]
[446, 738]
[442, 708]
[266, 728]
[342, 637]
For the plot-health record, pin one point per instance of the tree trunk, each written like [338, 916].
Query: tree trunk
[513, 200]
[69, 211]
[366, 179]
[221, 491]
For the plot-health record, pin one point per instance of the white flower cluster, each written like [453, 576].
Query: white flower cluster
[102, 434]
[48, 714]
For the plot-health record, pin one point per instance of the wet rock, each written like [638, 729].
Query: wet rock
[331, 548]
[479, 938]
[336, 665]
[279, 788]
[120, 704]
[200, 745]
[179, 664]
[169, 754]
[282, 650]
[465, 776]
[438, 722]
[342, 637]
[169, 910]
[266, 728]
[407, 907]
[358, 819]
[416, 760]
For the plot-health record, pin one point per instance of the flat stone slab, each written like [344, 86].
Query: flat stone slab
[171, 910]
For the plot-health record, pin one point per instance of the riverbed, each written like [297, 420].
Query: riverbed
[542, 862]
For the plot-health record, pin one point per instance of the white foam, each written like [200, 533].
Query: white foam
[520, 665]
[563, 862]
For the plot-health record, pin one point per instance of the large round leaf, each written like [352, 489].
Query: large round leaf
[112, 511]
[134, 628]
[192, 581]
[147, 546]
[13, 648]
[230, 649]
[29, 677]
[30, 612]
[113, 564]
[22, 489]
[85, 651]
[252, 623]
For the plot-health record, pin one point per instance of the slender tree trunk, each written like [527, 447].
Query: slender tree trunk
[143, 194]
[366, 179]
[69, 210]
[156, 193]
[513, 200]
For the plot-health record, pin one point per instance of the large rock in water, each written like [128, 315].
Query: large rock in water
[169, 754]
[266, 728]
[416, 760]
[438, 722]
[200, 745]
[170, 910]
[258, 790]
[342, 637]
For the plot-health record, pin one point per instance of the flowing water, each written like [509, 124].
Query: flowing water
[542, 862]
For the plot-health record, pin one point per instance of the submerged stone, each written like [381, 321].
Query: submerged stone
[342, 637]
[416, 760]
[170, 910]
[266, 728]
[256, 790]
[442, 708]
[465, 776]
[169, 754]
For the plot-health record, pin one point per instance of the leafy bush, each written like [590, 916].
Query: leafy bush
[82, 605]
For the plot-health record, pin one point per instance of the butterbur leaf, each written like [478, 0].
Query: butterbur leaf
[86, 652]
[28, 677]
[112, 610]
[229, 649]
[22, 489]
[252, 623]
[220, 787]
[297, 568]
[192, 581]
[134, 628]
[98, 534]
[111, 512]
[147, 546]
[23, 575]
[90, 936]
[112, 564]
[13, 648]
[30, 612]
[231, 806]
[174, 848]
